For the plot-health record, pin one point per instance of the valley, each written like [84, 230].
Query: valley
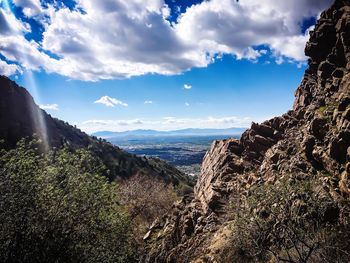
[186, 153]
[235, 174]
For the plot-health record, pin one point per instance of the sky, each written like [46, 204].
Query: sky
[158, 64]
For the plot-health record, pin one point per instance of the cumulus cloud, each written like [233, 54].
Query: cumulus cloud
[49, 107]
[110, 102]
[166, 123]
[124, 38]
[9, 69]
[9, 25]
[231, 27]
[15, 48]
[91, 126]
[127, 47]
[30, 7]
[187, 86]
[209, 122]
[148, 102]
[114, 122]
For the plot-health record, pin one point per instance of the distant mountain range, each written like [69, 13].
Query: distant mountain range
[21, 118]
[183, 132]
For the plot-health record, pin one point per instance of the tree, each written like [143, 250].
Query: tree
[56, 207]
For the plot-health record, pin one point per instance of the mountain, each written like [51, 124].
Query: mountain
[280, 193]
[183, 132]
[21, 118]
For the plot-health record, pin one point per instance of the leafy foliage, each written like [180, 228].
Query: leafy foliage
[55, 207]
[146, 199]
[290, 221]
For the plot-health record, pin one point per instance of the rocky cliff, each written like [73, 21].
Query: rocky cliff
[21, 118]
[312, 140]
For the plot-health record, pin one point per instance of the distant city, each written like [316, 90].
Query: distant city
[184, 149]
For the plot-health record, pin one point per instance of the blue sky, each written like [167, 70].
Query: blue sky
[121, 65]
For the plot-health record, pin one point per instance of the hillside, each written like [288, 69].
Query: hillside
[20, 117]
[281, 192]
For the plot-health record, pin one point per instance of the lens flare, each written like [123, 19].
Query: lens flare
[5, 5]
[37, 114]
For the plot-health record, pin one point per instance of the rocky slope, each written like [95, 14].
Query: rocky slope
[20, 117]
[313, 139]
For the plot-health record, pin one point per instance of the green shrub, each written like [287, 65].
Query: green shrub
[55, 207]
[290, 221]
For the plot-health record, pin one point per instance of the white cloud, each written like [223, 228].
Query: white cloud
[231, 27]
[187, 86]
[148, 102]
[9, 25]
[187, 104]
[166, 123]
[9, 69]
[91, 126]
[139, 40]
[30, 7]
[129, 46]
[114, 122]
[17, 49]
[49, 107]
[110, 102]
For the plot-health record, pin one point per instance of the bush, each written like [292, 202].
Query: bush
[146, 198]
[55, 207]
[290, 221]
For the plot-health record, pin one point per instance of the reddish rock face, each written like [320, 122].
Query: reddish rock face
[312, 138]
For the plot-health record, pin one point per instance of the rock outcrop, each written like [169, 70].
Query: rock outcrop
[311, 139]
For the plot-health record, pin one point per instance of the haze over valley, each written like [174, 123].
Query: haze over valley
[197, 131]
[184, 149]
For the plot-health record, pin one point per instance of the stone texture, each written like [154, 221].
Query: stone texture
[313, 138]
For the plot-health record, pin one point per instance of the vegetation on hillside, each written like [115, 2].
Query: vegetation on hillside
[146, 200]
[290, 221]
[56, 207]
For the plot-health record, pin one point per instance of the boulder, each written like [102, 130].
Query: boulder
[339, 146]
[188, 226]
[308, 147]
[304, 143]
[338, 73]
[263, 140]
[325, 70]
[319, 128]
[235, 147]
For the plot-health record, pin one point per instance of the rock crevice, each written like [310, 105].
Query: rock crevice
[311, 139]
